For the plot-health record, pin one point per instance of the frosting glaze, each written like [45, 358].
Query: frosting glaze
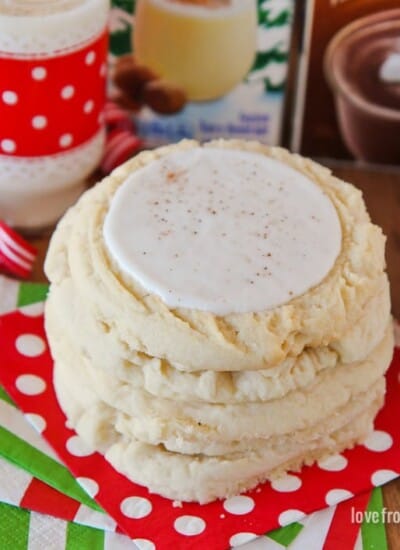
[223, 231]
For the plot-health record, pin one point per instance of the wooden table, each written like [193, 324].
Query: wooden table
[382, 194]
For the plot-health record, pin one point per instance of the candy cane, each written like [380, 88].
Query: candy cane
[16, 255]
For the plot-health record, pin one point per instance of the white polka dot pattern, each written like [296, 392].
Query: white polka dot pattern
[8, 145]
[39, 122]
[37, 421]
[39, 73]
[241, 538]
[337, 495]
[378, 441]
[286, 484]
[334, 463]
[90, 58]
[9, 97]
[77, 447]
[88, 106]
[32, 310]
[66, 140]
[136, 507]
[290, 516]
[380, 477]
[30, 345]
[30, 384]
[67, 92]
[89, 485]
[239, 505]
[144, 544]
[189, 525]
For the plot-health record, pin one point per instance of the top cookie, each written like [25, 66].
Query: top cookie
[231, 256]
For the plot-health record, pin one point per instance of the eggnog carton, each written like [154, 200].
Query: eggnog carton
[201, 68]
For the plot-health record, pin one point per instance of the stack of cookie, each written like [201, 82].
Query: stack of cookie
[218, 315]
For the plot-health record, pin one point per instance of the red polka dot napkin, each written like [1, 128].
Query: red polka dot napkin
[155, 522]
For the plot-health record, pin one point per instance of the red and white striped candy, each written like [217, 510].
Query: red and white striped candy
[122, 142]
[16, 255]
[115, 117]
[120, 146]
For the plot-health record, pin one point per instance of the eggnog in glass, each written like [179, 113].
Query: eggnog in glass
[204, 46]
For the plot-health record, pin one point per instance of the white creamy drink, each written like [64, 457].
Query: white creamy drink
[52, 86]
[204, 46]
[224, 231]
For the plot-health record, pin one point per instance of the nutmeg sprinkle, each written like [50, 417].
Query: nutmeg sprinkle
[222, 230]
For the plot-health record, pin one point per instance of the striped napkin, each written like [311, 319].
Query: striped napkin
[23, 529]
[32, 477]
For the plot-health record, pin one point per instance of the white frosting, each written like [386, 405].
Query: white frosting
[46, 27]
[222, 230]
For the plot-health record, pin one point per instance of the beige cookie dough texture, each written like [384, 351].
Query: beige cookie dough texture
[197, 406]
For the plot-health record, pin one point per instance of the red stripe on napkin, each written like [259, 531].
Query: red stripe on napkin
[42, 498]
[343, 531]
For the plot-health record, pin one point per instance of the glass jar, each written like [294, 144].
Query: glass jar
[52, 93]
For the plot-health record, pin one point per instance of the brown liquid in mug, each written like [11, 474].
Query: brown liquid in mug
[361, 61]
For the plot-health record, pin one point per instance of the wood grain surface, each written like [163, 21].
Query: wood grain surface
[381, 189]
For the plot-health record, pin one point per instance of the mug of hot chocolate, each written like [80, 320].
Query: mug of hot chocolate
[362, 66]
[204, 46]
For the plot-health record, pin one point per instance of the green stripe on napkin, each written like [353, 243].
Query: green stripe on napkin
[5, 397]
[43, 467]
[14, 527]
[286, 535]
[80, 537]
[373, 533]
[25, 530]
[31, 293]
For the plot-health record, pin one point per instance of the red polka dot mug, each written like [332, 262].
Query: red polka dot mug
[52, 93]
